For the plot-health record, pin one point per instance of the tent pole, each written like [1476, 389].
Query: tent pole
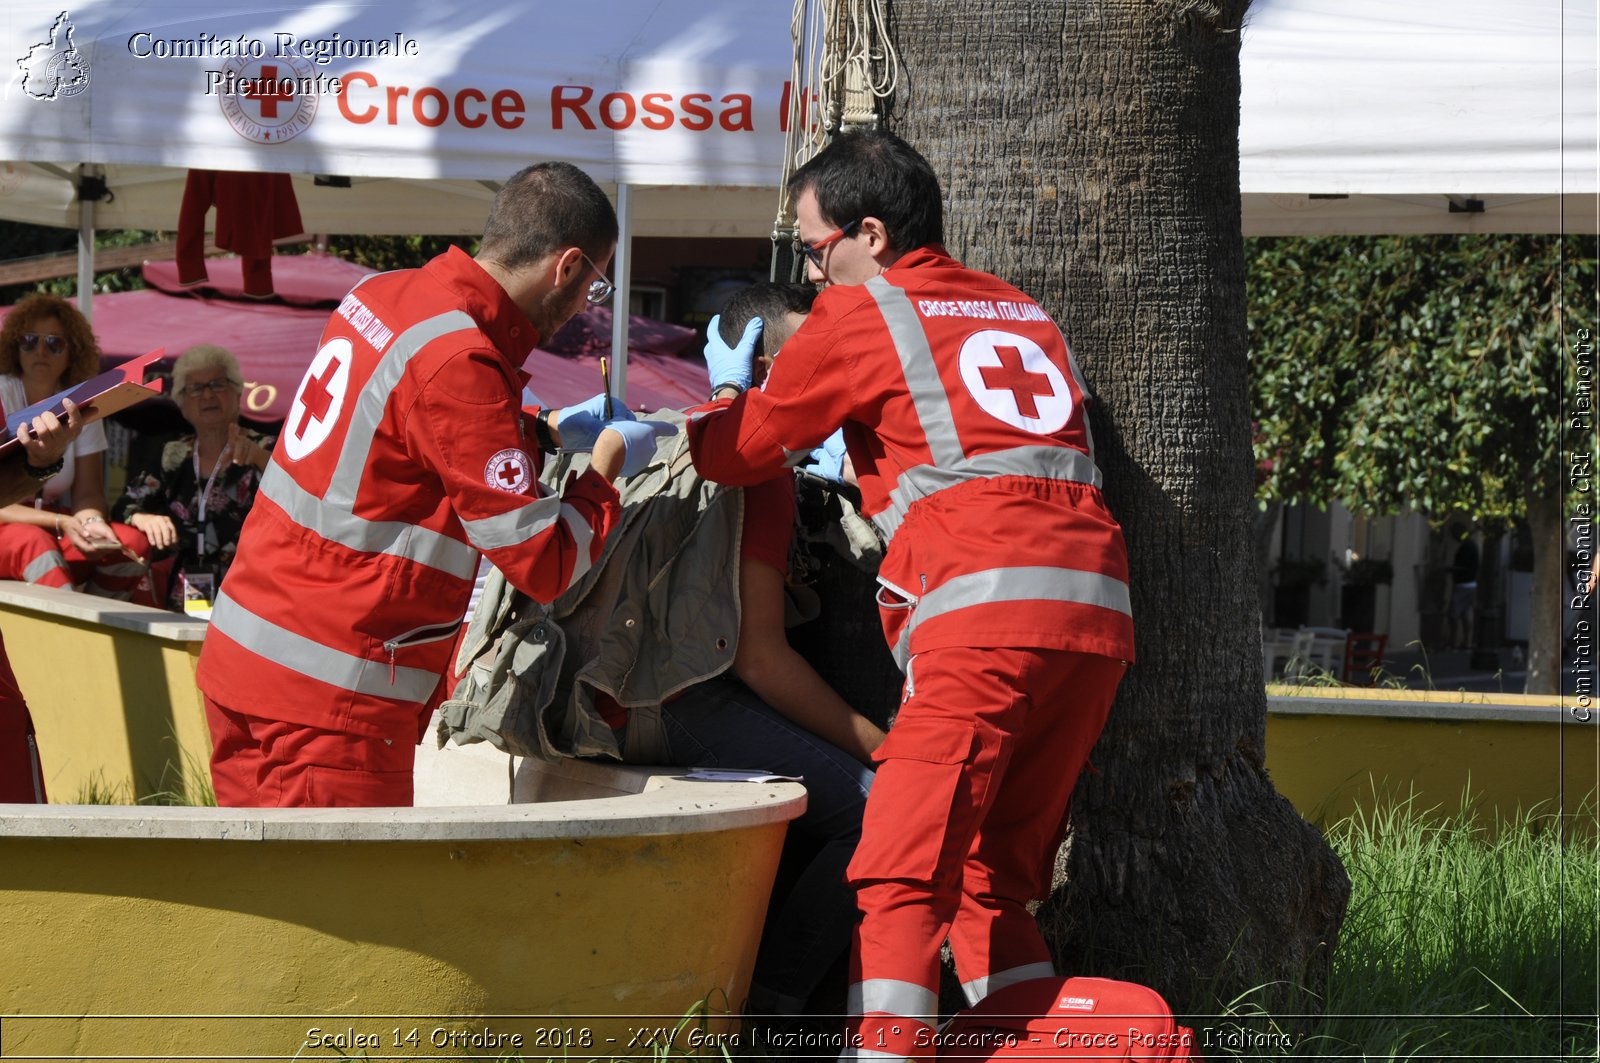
[621, 273]
[86, 247]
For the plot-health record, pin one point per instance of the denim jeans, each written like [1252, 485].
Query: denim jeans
[721, 723]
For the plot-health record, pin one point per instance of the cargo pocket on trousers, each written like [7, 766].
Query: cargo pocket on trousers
[911, 810]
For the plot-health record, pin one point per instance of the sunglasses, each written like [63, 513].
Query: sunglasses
[53, 344]
[600, 290]
[814, 251]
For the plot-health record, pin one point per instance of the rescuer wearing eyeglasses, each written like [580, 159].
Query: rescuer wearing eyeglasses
[405, 457]
[1003, 591]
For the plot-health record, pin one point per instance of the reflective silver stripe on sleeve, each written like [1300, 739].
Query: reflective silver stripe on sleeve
[515, 527]
[369, 405]
[43, 565]
[583, 539]
[1051, 463]
[979, 988]
[337, 524]
[890, 996]
[1083, 389]
[921, 372]
[322, 663]
[1028, 583]
[793, 459]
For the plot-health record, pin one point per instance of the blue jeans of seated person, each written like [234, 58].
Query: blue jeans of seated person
[721, 723]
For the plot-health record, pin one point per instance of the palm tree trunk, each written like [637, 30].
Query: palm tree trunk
[1089, 154]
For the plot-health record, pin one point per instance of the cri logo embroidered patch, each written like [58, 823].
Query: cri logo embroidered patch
[509, 470]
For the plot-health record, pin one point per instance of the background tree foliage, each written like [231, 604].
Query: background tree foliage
[1421, 372]
[1425, 373]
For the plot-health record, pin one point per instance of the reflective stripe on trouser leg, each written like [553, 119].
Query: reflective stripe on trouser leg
[995, 939]
[893, 1019]
[29, 552]
[979, 988]
[49, 569]
[113, 575]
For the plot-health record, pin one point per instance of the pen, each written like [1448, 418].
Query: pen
[605, 380]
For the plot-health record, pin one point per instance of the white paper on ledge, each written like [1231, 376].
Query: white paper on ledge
[739, 775]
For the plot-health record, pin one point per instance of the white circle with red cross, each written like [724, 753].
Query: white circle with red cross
[266, 105]
[319, 400]
[509, 470]
[1015, 381]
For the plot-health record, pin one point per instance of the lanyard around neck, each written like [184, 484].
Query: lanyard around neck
[206, 493]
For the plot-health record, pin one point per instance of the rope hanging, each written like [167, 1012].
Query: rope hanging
[843, 55]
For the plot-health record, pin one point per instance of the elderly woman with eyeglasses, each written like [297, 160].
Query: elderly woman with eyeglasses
[193, 505]
[62, 537]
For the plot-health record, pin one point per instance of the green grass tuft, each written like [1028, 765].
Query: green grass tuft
[1464, 940]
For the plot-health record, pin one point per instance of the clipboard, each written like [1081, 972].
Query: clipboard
[96, 398]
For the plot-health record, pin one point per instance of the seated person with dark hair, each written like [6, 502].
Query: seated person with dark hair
[771, 711]
[648, 671]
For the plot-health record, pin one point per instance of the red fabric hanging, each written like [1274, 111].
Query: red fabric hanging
[253, 209]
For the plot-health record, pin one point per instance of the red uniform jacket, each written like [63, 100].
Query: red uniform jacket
[401, 461]
[964, 415]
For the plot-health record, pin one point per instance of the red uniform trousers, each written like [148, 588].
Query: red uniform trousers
[21, 774]
[33, 554]
[966, 814]
[257, 763]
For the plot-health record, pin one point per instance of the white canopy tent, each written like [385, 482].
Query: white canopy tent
[1432, 117]
[409, 111]
[1357, 116]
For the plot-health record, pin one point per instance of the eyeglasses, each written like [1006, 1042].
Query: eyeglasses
[53, 344]
[600, 290]
[814, 251]
[215, 387]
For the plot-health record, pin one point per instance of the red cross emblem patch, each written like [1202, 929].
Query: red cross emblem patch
[320, 399]
[509, 470]
[1014, 381]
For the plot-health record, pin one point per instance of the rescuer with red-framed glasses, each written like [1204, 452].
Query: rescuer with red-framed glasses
[1003, 589]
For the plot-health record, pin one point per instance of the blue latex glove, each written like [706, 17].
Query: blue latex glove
[731, 365]
[639, 442]
[580, 425]
[827, 461]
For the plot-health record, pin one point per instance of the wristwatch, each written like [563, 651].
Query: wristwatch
[727, 386]
[541, 432]
[44, 472]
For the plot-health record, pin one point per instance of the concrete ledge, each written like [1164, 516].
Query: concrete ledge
[1284, 699]
[70, 605]
[667, 806]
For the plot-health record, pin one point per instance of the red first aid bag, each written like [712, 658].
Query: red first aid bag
[1067, 1018]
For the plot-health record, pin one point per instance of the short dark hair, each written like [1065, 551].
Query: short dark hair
[769, 302]
[543, 208]
[871, 174]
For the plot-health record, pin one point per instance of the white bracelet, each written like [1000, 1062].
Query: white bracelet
[96, 519]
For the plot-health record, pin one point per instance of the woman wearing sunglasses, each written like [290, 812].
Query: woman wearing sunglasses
[193, 505]
[62, 538]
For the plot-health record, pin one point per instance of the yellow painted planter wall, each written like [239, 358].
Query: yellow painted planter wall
[111, 690]
[372, 937]
[1330, 762]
